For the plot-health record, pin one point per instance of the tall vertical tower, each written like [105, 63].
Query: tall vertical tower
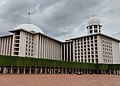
[94, 25]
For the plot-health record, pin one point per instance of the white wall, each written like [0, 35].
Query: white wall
[116, 53]
[22, 43]
[100, 54]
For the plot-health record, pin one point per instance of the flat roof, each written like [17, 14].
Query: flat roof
[35, 34]
[7, 35]
[97, 34]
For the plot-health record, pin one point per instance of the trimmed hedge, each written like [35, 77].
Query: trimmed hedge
[27, 61]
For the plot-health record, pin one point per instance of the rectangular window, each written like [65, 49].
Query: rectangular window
[90, 27]
[95, 31]
[95, 26]
[90, 31]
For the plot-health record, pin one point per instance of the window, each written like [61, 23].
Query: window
[99, 27]
[87, 38]
[95, 37]
[96, 56]
[95, 26]
[95, 44]
[95, 31]
[90, 31]
[88, 42]
[85, 60]
[88, 60]
[88, 49]
[90, 27]
[81, 56]
[84, 39]
[95, 41]
[92, 56]
[92, 60]
[91, 45]
[91, 37]
[96, 60]
[96, 52]
[81, 60]
[92, 52]
[95, 48]
[99, 30]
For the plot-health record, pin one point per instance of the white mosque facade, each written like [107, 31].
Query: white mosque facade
[28, 40]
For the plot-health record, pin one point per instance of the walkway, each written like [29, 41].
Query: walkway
[59, 80]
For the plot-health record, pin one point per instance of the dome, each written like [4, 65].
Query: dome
[94, 21]
[29, 27]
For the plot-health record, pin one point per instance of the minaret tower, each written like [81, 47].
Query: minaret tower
[94, 26]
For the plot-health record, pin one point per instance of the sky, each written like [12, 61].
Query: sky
[60, 19]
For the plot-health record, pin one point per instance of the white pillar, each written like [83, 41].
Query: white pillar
[4, 70]
[18, 70]
[36, 70]
[67, 52]
[30, 70]
[11, 70]
[42, 54]
[0, 45]
[24, 70]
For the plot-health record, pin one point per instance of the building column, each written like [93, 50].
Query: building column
[36, 70]
[24, 70]
[18, 70]
[4, 70]
[64, 52]
[119, 72]
[41, 70]
[11, 70]
[70, 52]
[67, 52]
[30, 70]
[50, 70]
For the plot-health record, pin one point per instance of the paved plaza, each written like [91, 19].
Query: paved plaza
[59, 80]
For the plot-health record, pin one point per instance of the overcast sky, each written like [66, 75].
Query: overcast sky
[61, 19]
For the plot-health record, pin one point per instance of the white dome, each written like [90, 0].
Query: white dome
[29, 27]
[94, 21]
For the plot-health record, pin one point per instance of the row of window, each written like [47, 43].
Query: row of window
[95, 26]
[86, 56]
[107, 53]
[106, 41]
[86, 49]
[88, 42]
[106, 56]
[29, 44]
[87, 60]
[86, 39]
[95, 31]
[108, 61]
[92, 52]
[30, 35]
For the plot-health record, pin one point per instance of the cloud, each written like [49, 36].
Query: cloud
[61, 19]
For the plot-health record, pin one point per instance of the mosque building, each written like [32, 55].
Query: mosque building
[28, 40]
